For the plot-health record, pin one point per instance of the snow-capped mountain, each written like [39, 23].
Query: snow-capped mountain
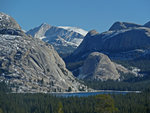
[64, 39]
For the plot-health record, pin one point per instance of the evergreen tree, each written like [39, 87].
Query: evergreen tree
[1, 111]
[104, 104]
[60, 108]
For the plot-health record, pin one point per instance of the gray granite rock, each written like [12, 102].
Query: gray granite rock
[122, 44]
[30, 65]
[98, 67]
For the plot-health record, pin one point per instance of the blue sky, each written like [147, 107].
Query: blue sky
[86, 14]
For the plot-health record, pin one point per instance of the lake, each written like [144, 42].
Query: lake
[84, 94]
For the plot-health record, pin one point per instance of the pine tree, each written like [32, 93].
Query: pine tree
[1, 111]
[60, 108]
[105, 104]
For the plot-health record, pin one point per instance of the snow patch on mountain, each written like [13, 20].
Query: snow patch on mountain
[74, 29]
[61, 41]
[42, 37]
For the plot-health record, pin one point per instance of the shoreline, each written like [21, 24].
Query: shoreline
[77, 92]
[95, 91]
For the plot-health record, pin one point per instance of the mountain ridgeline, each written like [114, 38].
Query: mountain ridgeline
[118, 42]
[123, 42]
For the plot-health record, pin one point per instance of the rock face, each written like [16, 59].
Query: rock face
[40, 31]
[98, 67]
[30, 65]
[64, 39]
[129, 43]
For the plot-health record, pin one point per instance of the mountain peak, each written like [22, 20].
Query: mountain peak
[71, 37]
[45, 25]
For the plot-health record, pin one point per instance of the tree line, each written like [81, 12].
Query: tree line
[47, 103]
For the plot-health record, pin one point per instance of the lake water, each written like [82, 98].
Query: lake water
[84, 94]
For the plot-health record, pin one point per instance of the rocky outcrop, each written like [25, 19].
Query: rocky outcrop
[30, 65]
[98, 67]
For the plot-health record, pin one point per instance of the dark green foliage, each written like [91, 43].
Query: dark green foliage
[116, 85]
[60, 108]
[133, 103]
[69, 89]
[143, 64]
[105, 104]
[46, 103]
[4, 88]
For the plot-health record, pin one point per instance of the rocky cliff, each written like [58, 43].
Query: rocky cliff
[29, 64]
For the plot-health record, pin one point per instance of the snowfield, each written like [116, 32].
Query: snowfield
[74, 29]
